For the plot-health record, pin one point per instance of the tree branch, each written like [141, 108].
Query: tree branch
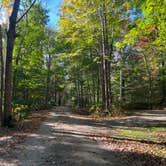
[26, 11]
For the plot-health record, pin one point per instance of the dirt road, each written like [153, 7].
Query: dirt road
[64, 140]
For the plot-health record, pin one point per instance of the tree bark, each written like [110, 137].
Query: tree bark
[122, 84]
[150, 81]
[106, 77]
[48, 79]
[163, 81]
[98, 86]
[2, 75]
[11, 34]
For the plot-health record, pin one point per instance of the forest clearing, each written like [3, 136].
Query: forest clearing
[82, 83]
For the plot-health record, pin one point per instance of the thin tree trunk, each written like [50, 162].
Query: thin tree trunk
[82, 94]
[121, 75]
[98, 85]
[163, 81]
[2, 76]
[77, 91]
[150, 81]
[59, 99]
[48, 79]
[106, 78]
[93, 82]
[121, 87]
[55, 90]
[103, 74]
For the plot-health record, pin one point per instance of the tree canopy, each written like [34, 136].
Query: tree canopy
[104, 55]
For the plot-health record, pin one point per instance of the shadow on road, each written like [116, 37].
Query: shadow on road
[63, 140]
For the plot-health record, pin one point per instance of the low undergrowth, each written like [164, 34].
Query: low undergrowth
[22, 111]
[98, 111]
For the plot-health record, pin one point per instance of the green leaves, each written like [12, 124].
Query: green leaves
[29, 68]
[153, 21]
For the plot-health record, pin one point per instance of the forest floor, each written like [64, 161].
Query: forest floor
[59, 137]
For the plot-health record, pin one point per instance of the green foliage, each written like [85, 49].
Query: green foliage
[95, 109]
[67, 63]
[29, 70]
[20, 112]
[135, 34]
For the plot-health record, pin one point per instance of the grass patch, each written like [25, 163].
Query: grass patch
[158, 129]
[145, 134]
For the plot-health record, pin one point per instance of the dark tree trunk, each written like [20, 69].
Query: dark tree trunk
[163, 81]
[48, 80]
[150, 82]
[103, 68]
[2, 75]
[122, 84]
[11, 34]
[55, 90]
[78, 87]
[59, 99]
[81, 94]
[98, 85]
[55, 98]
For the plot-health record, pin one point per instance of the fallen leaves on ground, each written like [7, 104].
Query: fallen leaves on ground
[10, 137]
[133, 152]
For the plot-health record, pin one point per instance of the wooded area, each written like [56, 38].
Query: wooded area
[104, 55]
[114, 46]
[105, 60]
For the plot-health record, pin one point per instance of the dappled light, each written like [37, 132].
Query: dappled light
[82, 83]
[67, 139]
[71, 139]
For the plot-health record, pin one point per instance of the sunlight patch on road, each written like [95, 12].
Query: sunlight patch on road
[5, 138]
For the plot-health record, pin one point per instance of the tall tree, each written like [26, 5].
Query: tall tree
[2, 75]
[11, 35]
